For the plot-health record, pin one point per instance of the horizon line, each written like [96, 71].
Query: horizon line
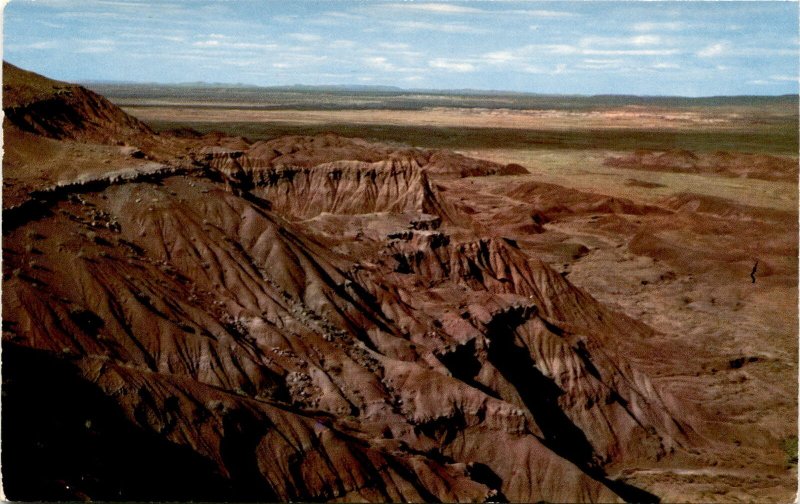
[394, 88]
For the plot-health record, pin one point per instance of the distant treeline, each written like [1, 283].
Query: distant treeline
[378, 98]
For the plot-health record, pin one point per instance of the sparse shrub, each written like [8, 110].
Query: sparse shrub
[222, 408]
[790, 448]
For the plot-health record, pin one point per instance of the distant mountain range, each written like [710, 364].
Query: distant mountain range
[392, 90]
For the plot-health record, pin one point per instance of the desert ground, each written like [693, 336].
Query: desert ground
[398, 298]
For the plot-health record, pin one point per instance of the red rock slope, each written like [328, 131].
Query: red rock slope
[189, 332]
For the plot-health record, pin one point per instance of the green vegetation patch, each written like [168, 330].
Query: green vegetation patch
[772, 139]
[790, 448]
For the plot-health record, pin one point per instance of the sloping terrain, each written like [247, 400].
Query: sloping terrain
[717, 278]
[59, 110]
[310, 318]
[729, 164]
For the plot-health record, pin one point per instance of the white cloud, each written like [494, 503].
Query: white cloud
[252, 45]
[341, 44]
[343, 15]
[499, 57]
[335, 19]
[664, 26]
[727, 49]
[243, 63]
[565, 49]
[380, 63]
[96, 46]
[602, 61]
[298, 51]
[450, 8]
[665, 66]
[125, 4]
[764, 51]
[172, 34]
[601, 64]
[533, 69]
[646, 40]
[784, 78]
[639, 40]
[384, 65]
[50, 25]
[50, 44]
[560, 68]
[552, 49]
[296, 60]
[451, 65]
[305, 37]
[94, 50]
[629, 52]
[91, 15]
[596, 58]
[713, 50]
[542, 13]
[393, 46]
[222, 42]
[440, 8]
[436, 27]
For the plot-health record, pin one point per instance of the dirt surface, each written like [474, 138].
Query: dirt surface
[588, 171]
[331, 319]
[630, 117]
[722, 163]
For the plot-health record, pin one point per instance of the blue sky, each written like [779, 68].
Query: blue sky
[646, 48]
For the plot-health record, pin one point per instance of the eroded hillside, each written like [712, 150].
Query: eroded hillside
[310, 318]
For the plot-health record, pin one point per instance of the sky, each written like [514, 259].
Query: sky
[591, 47]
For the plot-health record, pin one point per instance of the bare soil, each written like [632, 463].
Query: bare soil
[318, 317]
